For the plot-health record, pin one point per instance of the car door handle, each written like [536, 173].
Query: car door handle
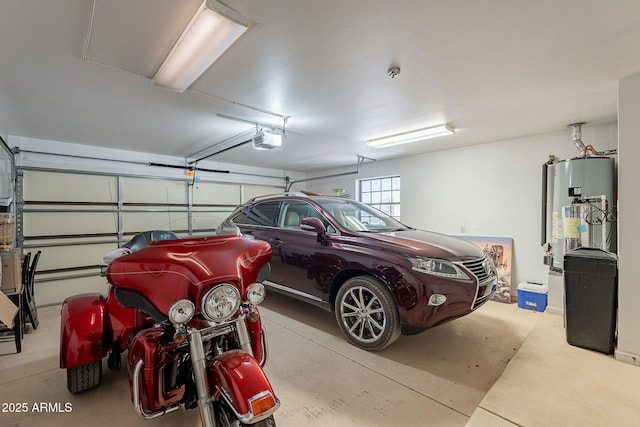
[275, 242]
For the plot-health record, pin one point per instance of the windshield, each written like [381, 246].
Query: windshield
[357, 216]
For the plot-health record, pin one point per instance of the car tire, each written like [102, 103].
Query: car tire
[84, 377]
[367, 313]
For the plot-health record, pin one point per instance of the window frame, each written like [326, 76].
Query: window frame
[385, 197]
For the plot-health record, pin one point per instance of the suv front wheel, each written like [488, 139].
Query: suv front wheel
[367, 313]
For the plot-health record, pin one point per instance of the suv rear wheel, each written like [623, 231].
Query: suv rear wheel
[367, 313]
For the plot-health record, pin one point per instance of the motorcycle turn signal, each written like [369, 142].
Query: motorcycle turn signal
[253, 316]
[180, 337]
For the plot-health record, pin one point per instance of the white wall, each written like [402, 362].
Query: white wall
[628, 231]
[485, 190]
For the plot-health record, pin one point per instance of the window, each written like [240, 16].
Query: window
[381, 193]
[293, 211]
[261, 214]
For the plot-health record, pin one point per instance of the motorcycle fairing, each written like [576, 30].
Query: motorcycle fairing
[83, 337]
[169, 270]
[229, 372]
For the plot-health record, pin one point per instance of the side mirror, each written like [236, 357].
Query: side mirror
[314, 224]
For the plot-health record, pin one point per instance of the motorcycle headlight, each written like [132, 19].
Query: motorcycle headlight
[437, 267]
[221, 302]
[256, 293]
[181, 312]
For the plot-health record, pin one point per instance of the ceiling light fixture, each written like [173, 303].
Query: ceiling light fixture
[411, 136]
[211, 31]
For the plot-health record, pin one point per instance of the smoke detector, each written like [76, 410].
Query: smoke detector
[393, 71]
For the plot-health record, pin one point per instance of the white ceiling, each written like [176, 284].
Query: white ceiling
[493, 69]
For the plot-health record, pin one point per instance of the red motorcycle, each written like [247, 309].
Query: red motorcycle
[186, 311]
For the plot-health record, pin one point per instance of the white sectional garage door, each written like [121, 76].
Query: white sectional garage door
[74, 218]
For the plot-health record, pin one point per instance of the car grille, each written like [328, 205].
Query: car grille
[485, 273]
[479, 269]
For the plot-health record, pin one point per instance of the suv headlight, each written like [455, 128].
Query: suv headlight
[221, 302]
[437, 267]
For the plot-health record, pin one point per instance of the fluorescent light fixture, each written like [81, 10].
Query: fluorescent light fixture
[267, 140]
[411, 136]
[211, 31]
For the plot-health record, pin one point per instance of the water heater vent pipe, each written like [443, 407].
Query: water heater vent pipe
[576, 137]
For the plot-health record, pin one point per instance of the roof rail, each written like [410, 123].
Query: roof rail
[286, 193]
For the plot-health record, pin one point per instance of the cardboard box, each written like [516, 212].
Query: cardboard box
[532, 296]
[11, 282]
[8, 310]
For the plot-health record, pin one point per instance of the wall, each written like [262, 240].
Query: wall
[628, 231]
[491, 189]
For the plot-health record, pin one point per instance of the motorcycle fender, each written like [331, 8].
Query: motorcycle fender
[238, 376]
[82, 330]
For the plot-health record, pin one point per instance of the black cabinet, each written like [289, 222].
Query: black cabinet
[591, 298]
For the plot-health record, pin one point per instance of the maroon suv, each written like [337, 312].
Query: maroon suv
[379, 276]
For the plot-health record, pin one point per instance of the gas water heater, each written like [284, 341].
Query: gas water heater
[577, 202]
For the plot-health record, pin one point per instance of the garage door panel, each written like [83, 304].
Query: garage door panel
[154, 191]
[69, 187]
[209, 193]
[143, 221]
[61, 257]
[55, 291]
[66, 223]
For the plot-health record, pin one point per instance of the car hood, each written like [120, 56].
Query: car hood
[428, 243]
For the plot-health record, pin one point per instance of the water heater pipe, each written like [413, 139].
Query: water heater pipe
[576, 137]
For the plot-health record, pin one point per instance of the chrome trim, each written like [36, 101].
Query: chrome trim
[243, 335]
[198, 363]
[136, 397]
[265, 352]
[292, 291]
[490, 289]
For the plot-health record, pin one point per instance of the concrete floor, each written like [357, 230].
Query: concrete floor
[500, 366]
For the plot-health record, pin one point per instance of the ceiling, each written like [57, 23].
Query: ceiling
[493, 69]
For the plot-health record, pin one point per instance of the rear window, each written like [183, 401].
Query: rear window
[264, 214]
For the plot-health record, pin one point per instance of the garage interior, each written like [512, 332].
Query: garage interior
[95, 150]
